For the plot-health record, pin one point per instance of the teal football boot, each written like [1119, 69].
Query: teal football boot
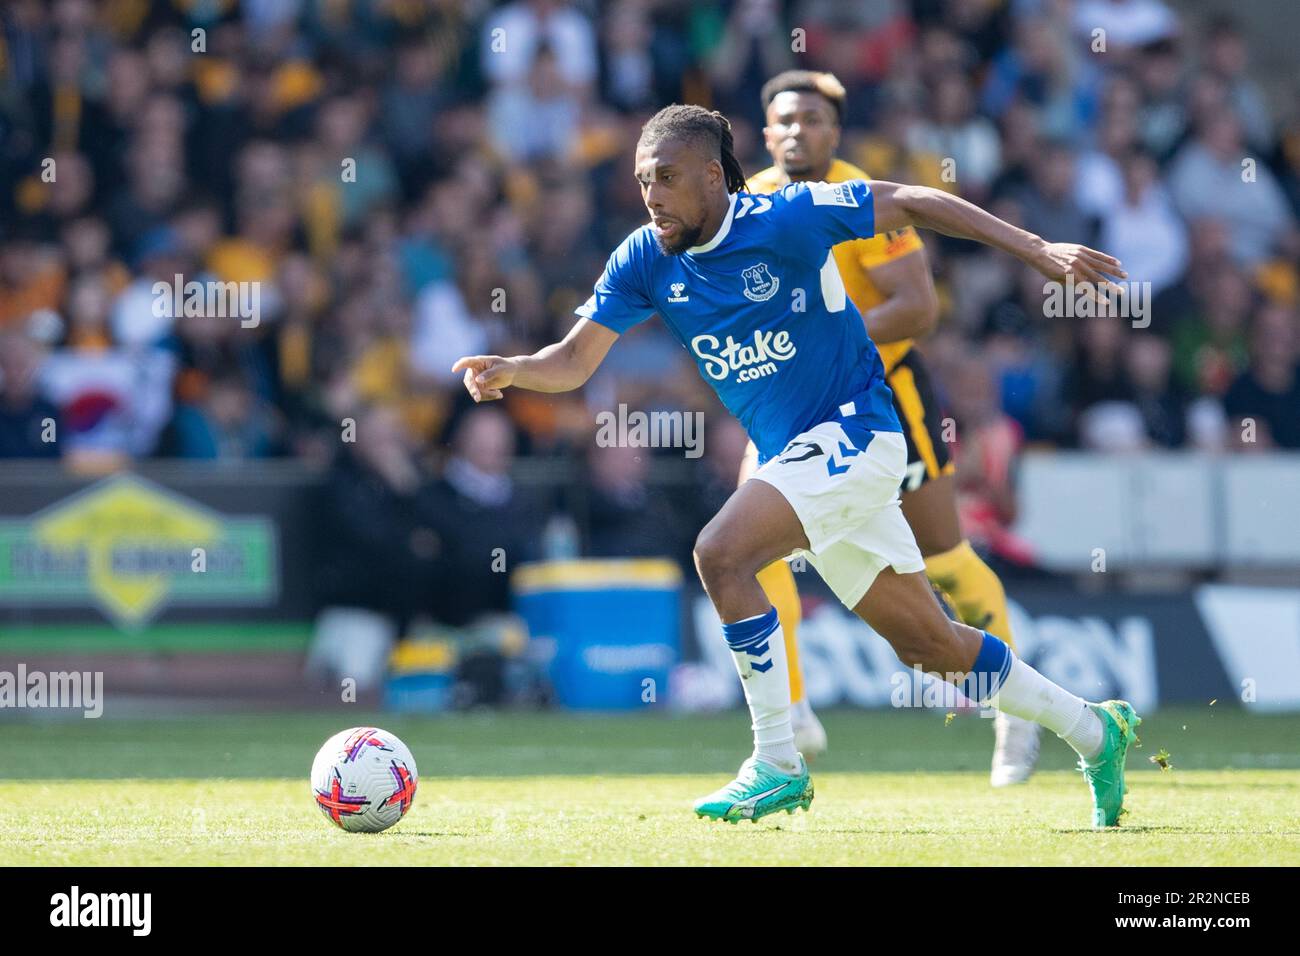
[1105, 772]
[759, 789]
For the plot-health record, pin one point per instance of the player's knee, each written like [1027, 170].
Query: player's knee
[709, 552]
[716, 557]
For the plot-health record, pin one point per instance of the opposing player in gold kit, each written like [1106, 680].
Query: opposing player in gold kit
[888, 278]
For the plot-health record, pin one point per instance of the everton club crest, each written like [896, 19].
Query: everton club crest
[760, 284]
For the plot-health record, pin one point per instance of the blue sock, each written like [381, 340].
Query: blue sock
[991, 667]
[751, 637]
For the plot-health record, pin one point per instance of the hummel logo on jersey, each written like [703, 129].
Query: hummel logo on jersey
[677, 296]
[756, 204]
[760, 284]
[750, 361]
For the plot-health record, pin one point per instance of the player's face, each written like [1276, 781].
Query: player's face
[676, 181]
[801, 133]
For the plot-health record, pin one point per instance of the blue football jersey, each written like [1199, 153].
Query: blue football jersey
[762, 310]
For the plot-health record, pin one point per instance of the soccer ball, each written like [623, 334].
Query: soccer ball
[364, 779]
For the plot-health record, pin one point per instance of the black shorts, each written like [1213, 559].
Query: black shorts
[922, 421]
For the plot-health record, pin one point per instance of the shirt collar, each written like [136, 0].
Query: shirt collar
[720, 234]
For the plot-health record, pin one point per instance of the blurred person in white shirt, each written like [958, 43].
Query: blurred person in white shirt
[1148, 235]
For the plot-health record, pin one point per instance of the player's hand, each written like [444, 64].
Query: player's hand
[1057, 260]
[485, 375]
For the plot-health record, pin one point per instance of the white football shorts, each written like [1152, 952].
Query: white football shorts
[846, 498]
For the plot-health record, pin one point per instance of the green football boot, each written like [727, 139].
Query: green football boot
[1105, 772]
[759, 789]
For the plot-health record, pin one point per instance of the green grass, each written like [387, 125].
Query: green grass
[212, 637]
[897, 788]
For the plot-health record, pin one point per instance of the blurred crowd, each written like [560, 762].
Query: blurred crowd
[408, 181]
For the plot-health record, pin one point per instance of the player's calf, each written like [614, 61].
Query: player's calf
[903, 610]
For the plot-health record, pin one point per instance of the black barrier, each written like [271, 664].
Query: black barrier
[164, 541]
[77, 548]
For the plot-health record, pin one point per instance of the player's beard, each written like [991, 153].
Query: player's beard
[686, 237]
[796, 171]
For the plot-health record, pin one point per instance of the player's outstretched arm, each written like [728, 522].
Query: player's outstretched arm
[560, 367]
[898, 205]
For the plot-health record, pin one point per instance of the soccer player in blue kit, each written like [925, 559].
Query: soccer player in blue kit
[747, 284]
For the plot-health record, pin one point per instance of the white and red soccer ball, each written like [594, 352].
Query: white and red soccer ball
[364, 779]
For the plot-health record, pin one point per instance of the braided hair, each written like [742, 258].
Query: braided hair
[707, 130]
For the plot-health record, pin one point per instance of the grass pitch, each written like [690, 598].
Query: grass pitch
[537, 789]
